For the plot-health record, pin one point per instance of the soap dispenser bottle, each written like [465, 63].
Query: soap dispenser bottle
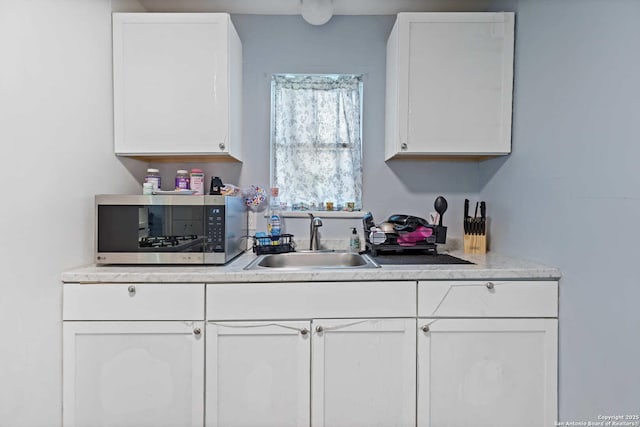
[275, 221]
[354, 241]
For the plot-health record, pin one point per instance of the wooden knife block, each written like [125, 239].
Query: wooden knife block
[475, 243]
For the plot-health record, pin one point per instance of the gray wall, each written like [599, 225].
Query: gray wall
[346, 44]
[56, 137]
[569, 193]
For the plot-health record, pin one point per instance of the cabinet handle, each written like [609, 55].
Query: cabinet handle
[132, 290]
[490, 285]
[403, 146]
[319, 329]
[197, 332]
[221, 145]
[304, 331]
[425, 328]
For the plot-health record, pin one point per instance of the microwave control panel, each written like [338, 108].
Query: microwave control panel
[215, 233]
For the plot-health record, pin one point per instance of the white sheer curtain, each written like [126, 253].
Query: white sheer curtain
[316, 145]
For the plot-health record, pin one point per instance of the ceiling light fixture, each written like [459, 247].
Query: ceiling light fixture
[317, 12]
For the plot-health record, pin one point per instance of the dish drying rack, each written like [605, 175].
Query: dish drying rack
[273, 244]
[428, 246]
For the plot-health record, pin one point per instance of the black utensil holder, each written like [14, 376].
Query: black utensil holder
[441, 234]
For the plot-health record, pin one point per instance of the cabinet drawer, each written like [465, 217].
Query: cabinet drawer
[305, 300]
[488, 299]
[133, 301]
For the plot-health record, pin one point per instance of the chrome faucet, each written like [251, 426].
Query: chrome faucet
[313, 232]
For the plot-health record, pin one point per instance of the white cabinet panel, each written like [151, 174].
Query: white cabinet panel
[488, 299]
[355, 364]
[449, 84]
[177, 84]
[304, 300]
[134, 301]
[487, 372]
[363, 372]
[133, 374]
[258, 374]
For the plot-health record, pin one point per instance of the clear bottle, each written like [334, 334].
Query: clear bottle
[147, 188]
[275, 220]
[153, 177]
[274, 202]
[182, 180]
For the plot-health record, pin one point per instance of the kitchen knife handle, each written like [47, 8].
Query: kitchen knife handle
[483, 218]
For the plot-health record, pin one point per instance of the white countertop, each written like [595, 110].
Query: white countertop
[486, 267]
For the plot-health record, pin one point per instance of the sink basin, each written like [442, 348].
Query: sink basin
[312, 261]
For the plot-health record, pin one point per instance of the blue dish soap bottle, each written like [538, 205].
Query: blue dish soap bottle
[275, 222]
[274, 227]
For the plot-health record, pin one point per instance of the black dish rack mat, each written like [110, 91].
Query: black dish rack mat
[418, 259]
[273, 244]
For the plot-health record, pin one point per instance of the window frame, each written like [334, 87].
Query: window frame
[335, 213]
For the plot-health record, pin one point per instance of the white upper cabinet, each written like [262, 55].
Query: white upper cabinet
[177, 85]
[449, 85]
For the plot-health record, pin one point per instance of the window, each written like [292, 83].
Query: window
[316, 140]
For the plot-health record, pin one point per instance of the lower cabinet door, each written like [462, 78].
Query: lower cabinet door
[363, 373]
[258, 374]
[133, 374]
[487, 372]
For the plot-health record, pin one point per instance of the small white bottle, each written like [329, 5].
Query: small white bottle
[147, 189]
[354, 241]
[153, 177]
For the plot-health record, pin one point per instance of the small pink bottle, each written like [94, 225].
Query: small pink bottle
[197, 181]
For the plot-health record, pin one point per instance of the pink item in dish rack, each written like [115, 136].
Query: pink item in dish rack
[420, 234]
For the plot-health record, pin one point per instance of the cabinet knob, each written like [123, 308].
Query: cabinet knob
[319, 329]
[403, 146]
[304, 331]
[490, 285]
[132, 290]
[222, 146]
[425, 328]
[197, 332]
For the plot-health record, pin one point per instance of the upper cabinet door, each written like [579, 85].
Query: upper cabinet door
[177, 84]
[449, 84]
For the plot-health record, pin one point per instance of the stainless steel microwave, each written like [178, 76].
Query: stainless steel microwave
[159, 229]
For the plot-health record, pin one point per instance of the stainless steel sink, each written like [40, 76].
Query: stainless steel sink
[312, 261]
